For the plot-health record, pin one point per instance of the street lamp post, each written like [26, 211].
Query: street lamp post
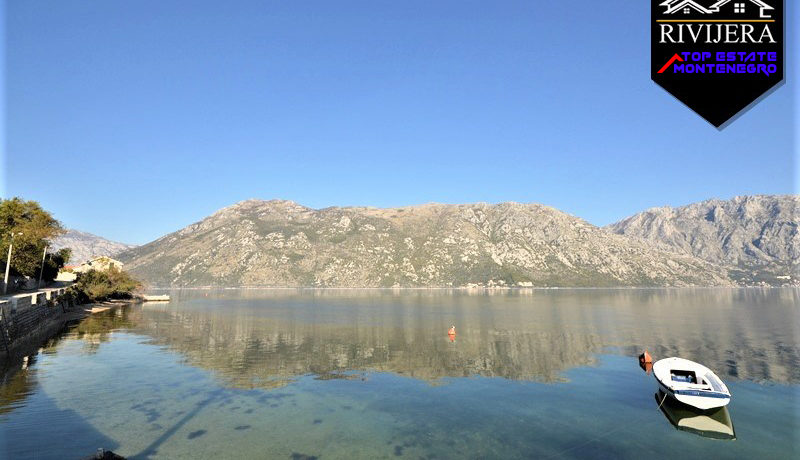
[41, 270]
[8, 261]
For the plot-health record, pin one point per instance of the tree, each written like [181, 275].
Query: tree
[55, 262]
[38, 228]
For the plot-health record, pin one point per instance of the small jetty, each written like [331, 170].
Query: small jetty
[156, 298]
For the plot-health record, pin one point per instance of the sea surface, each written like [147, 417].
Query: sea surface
[302, 374]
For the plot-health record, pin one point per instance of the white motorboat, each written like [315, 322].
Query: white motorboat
[691, 383]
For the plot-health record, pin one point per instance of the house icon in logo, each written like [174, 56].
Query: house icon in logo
[732, 7]
[684, 7]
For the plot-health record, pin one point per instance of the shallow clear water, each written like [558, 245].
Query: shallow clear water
[373, 374]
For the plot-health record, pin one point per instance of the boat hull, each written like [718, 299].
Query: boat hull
[703, 400]
[691, 383]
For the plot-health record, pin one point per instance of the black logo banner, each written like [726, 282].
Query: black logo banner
[717, 56]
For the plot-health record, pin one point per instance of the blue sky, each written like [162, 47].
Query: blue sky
[131, 119]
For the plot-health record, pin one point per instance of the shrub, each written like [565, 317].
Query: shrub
[96, 285]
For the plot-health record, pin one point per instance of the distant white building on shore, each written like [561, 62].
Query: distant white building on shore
[101, 263]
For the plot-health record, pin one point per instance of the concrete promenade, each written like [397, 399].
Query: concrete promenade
[30, 313]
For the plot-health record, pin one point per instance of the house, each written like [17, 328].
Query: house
[733, 8]
[101, 263]
[66, 274]
[684, 7]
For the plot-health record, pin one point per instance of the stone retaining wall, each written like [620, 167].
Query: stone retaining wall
[23, 314]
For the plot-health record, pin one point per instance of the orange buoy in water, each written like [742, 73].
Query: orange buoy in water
[646, 361]
[451, 331]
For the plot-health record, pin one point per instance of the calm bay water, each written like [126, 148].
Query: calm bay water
[373, 374]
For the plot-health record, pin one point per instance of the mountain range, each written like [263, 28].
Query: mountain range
[756, 237]
[746, 240]
[86, 245]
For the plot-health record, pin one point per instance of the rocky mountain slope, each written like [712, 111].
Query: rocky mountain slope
[281, 243]
[757, 235]
[85, 246]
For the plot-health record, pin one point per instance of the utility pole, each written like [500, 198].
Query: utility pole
[41, 271]
[8, 262]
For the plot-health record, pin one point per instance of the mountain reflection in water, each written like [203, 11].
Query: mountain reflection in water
[266, 338]
[374, 374]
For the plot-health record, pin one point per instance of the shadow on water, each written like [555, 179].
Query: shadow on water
[17, 374]
[714, 424]
[17, 377]
[47, 432]
[66, 430]
[152, 449]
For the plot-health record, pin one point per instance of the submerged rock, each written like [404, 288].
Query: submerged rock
[103, 454]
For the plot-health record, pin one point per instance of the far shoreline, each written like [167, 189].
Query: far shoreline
[484, 288]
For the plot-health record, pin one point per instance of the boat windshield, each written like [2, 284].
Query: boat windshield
[683, 376]
[715, 383]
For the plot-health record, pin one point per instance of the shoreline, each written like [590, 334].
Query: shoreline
[460, 288]
[99, 307]
[30, 341]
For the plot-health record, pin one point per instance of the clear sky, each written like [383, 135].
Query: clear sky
[131, 119]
